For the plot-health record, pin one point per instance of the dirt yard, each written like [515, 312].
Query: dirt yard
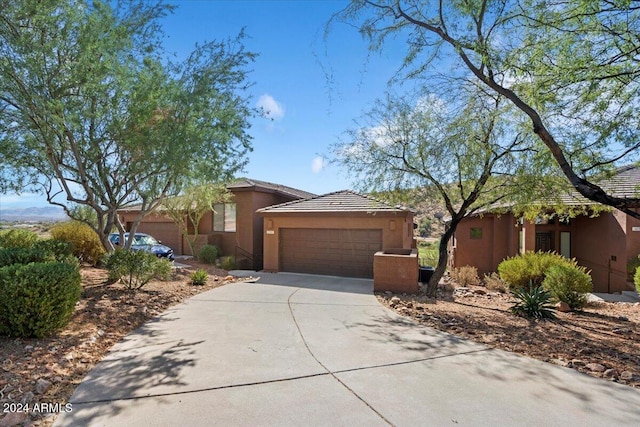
[602, 341]
[37, 371]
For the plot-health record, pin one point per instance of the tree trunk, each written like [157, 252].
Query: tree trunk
[443, 257]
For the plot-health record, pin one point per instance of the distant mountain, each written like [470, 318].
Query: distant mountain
[48, 213]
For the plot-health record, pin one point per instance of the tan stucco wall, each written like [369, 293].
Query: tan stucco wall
[499, 240]
[397, 230]
[603, 244]
[395, 273]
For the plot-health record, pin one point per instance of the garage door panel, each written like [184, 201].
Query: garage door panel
[342, 252]
[166, 232]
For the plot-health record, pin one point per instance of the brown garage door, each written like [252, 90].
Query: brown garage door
[347, 252]
[166, 232]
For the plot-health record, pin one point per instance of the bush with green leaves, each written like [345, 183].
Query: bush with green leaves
[531, 267]
[228, 262]
[533, 302]
[208, 254]
[84, 240]
[568, 284]
[37, 299]
[136, 268]
[199, 277]
[636, 279]
[465, 275]
[632, 267]
[42, 251]
[17, 238]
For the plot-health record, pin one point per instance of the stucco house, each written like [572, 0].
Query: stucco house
[278, 228]
[234, 227]
[603, 244]
[336, 234]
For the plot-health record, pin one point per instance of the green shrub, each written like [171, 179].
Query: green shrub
[568, 284]
[636, 279]
[199, 277]
[465, 276]
[493, 282]
[136, 268]
[17, 238]
[632, 267]
[208, 254]
[533, 302]
[228, 263]
[37, 299]
[84, 240]
[41, 251]
[531, 267]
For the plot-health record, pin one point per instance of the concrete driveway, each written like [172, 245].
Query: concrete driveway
[298, 350]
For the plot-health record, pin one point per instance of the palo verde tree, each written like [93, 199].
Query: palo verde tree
[188, 208]
[571, 67]
[460, 150]
[92, 113]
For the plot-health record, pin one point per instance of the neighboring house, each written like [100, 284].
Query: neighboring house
[233, 226]
[335, 234]
[603, 244]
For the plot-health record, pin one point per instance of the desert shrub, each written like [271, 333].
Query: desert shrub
[228, 263]
[84, 240]
[632, 267]
[493, 282]
[636, 279]
[17, 238]
[41, 251]
[136, 268]
[199, 277]
[533, 302]
[465, 276]
[568, 284]
[530, 268]
[208, 254]
[37, 299]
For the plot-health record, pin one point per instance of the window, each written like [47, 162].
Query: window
[224, 217]
[476, 232]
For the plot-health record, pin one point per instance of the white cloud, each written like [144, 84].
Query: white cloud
[271, 109]
[317, 164]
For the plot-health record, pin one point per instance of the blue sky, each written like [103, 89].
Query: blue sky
[309, 113]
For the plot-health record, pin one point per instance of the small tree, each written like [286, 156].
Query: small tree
[570, 67]
[188, 209]
[453, 148]
[94, 113]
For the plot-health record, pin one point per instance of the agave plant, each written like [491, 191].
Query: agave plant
[534, 302]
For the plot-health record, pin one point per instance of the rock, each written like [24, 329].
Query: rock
[479, 292]
[408, 304]
[395, 300]
[27, 398]
[560, 362]
[228, 278]
[563, 307]
[610, 373]
[623, 318]
[627, 376]
[595, 367]
[576, 363]
[13, 419]
[28, 347]
[42, 386]
[419, 308]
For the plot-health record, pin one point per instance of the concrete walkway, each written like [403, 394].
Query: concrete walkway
[293, 350]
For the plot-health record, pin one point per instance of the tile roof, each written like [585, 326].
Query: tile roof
[282, 189]
[624, 183]
[339, 201]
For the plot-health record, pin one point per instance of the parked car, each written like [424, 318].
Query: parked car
[145, 242]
